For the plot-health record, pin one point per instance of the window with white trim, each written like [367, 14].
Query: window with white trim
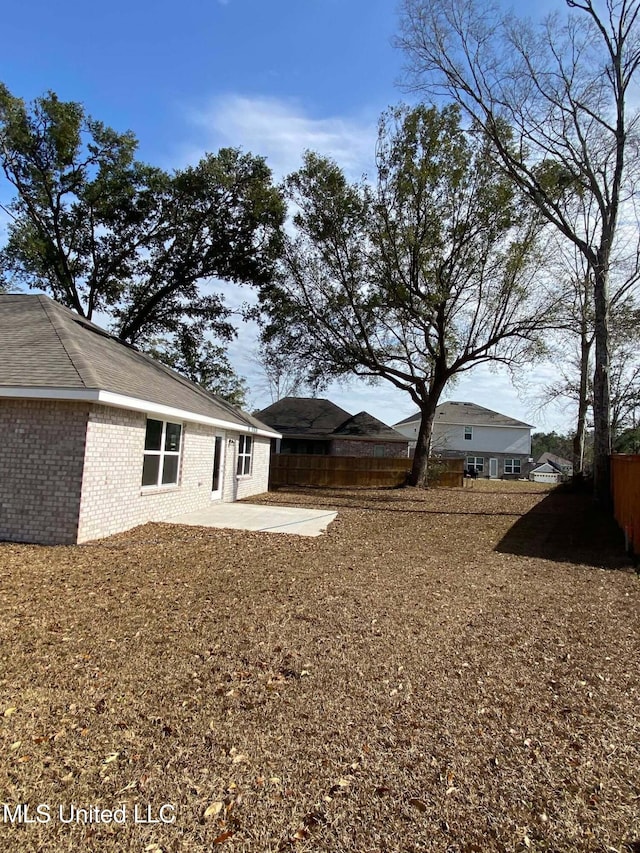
[162, 443]
[245, 452]
[511, 466]
[378, 450]
[468, 433]
[476, 462]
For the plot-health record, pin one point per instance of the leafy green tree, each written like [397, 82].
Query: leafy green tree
[628, 441]
[551, 442]
[101, 232]
[414, 281]
[555, 95]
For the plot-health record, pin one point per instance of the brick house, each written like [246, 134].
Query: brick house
[493, 445]
[98, 437]
[317, 426]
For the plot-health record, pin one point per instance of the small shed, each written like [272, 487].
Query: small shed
[545, 473]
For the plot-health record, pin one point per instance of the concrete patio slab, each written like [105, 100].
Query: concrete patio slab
[272, 519]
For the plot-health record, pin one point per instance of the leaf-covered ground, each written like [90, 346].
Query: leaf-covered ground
[453, 670]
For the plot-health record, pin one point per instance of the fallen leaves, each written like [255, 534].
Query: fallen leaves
[418, 804]
[261, 684]
[214, 809]
[224, 836]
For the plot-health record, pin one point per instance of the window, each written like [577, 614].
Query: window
[161, 453]
[245, 447]
[476, 462]
[468, 433]
[378, 450]
[511, 466]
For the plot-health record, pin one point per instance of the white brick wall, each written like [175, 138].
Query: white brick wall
[112, 497]
[236, 488]
[41, 459]
[71, 472]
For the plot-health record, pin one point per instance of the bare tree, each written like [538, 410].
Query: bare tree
[572, 336]
[284, 376]
[554, 100]
[625, 372]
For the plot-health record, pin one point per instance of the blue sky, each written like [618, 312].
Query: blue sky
[273, 76]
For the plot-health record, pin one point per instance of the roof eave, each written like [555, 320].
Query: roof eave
[120, 401]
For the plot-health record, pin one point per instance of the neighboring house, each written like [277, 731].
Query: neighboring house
[318, 426]
[545, 473]
[564, 466]
[98, 437]
[493, 445]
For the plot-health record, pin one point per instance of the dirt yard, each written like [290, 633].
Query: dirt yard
[455, 671]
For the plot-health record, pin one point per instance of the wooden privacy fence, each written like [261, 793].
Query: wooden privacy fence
[301, 469]
[625, 488]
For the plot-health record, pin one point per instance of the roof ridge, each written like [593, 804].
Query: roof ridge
[458, 406]
[52, 347]
[46, 303]
[385, 432]
[514, 421]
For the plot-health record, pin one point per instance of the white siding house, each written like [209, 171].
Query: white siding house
[493, 445]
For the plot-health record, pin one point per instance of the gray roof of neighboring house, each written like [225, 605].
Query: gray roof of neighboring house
[468, 414]
[555, 460]
[305, 416]
[47, 346]
[364, 425]
[315, 417]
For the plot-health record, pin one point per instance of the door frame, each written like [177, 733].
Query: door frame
[217, 494]
[493, 468]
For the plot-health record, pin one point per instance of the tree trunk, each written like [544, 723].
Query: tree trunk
[583, 404]
[601, 391]
[420, 471]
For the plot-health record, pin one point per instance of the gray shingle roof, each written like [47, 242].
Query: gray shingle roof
[555, 460]
[47, 346]
[304, 416]
[364, 425]
[315, 417]
[467, 414]
[546, 468]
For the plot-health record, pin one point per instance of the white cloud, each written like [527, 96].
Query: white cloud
[281, 131]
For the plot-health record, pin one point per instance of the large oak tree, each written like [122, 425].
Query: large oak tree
[414, 280]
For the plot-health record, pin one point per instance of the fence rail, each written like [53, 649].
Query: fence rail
[301, 469]
[625, 488]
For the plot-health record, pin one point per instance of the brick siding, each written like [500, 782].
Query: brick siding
[72, 472]
[350, 447]
[41, 462]
[525, 465]
[112, 497]
[236, 488]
